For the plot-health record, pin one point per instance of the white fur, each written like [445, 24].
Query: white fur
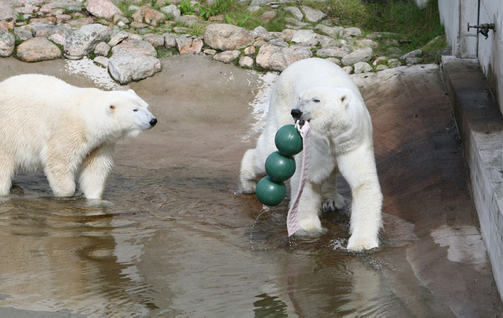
[45, 122]
[341, 132]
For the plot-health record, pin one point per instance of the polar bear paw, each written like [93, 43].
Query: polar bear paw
[358, 243]
[334, 204]
[247, 186]
[309, 227]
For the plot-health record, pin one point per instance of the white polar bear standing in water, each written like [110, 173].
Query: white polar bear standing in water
[45, 122]
[321, 93]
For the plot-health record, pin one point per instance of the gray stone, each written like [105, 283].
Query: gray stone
[210, 51]
[148, 15]
[189, 45]
[7, 11]
[278, 42]
[84, 40]
[249, 50]
[7, 42]
[330, 31]
[381, 67]
[267, 16]
[187, 20]
[312, 15]
[171, 11]
[118, 38]
[295, 12]
[101, 61]
[157, 40]
[135, 46]
[169, 40]
[23, 33]
[102, 49]
[277, 58]
[379, 60]
[413, 60]
[66, 5]
[334, 60]
[360, 55]
[394, 63]
[37, 49]
[362, 67]
[261, 32]
[415, 53]
[367, 43]
[246, 62]
[253, 8]
[295, 24]
[227, 56]
[326, 41]
[352, 32]
[125, 67]
[102, 8]
[332, 52]
[305, 37]
[348, 69]
[227, 37]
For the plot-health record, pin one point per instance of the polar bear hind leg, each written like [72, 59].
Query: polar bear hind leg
[6, 173]
[332, 200]
[248, 175]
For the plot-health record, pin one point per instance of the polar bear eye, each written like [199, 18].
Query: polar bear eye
[135, 110]
[112, 107]
[343, 98]
[316, 100]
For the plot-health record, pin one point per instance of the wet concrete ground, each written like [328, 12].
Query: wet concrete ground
[171, 239]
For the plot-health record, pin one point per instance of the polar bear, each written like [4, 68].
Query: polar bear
[321, 93]
[48, 123]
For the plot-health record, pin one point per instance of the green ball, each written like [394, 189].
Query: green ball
[288, 140]
[279, 167]
[269, 192]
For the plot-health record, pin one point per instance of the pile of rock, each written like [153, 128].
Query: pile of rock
[129, 43]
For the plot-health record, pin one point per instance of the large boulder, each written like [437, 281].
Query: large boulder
[83, 41]
[102, 8]
[7, 11]
[312, 15]
[360, 55]
[125, 67]
[227, 37]
[135, 46]
[7, 43]
[148, 15]
[189, 45]
[37, 49]
[277, 58]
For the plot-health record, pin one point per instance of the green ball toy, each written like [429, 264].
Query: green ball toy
[288, 140]
[278, 167]
[269, 192]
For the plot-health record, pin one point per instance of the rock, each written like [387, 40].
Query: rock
[6, 26]
[379, 59]
[295, 12]
[83, 41]
[80, 22]
[249, 50]
[169, 40]
[227, 37]
[352, 32]
[394, 63]
[102, 49]
[66, 5]
[381, 67]
[332, 52]
[135, 46]
[415, 53]
[7, 11]
[261, 32]
[330, 31]
[267, 16]
[360, 55]
[305, 37]
[312, 15]
[362, 67]
[217, 18]
[246, 62]
[367, 43]
[23, 33]
[227, 56]
[157, 40]
[125, 67]
[171, 11]
[148, 15]
[348, 69]
[101, 61]
[210, 51]
[287, 34]
[253, 8]
[187, 20]
[413, 60]
[189, 45]
[334, 60]
[394, 51]
[277, 58]
[326, 41]
[7, 42]
[37, 49]
[102, 8]
[118, 38]
[278, 42]
[295, 24]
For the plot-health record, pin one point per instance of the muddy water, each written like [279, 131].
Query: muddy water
[171, 239]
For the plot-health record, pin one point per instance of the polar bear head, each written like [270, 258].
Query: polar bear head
[127, 113]
[326, 109]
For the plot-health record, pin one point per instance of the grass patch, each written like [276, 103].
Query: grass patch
[124, 7]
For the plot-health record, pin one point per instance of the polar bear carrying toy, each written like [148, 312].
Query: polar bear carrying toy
[321, 93]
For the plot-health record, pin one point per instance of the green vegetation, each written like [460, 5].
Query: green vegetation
[219, 7]
[186, 8]
[124, 7]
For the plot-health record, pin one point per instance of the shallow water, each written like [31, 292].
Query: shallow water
[172, 240]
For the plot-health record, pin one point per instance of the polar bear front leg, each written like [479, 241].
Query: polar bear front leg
[359, 170]
[59, 174]
[309, 207]
[95, 170]
[6, 173]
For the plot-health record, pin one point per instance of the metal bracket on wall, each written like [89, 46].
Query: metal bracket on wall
[483, 28]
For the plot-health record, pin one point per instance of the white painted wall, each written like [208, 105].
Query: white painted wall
[490, 51]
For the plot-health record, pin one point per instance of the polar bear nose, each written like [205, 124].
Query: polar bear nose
[153, 121]
[296, 113]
